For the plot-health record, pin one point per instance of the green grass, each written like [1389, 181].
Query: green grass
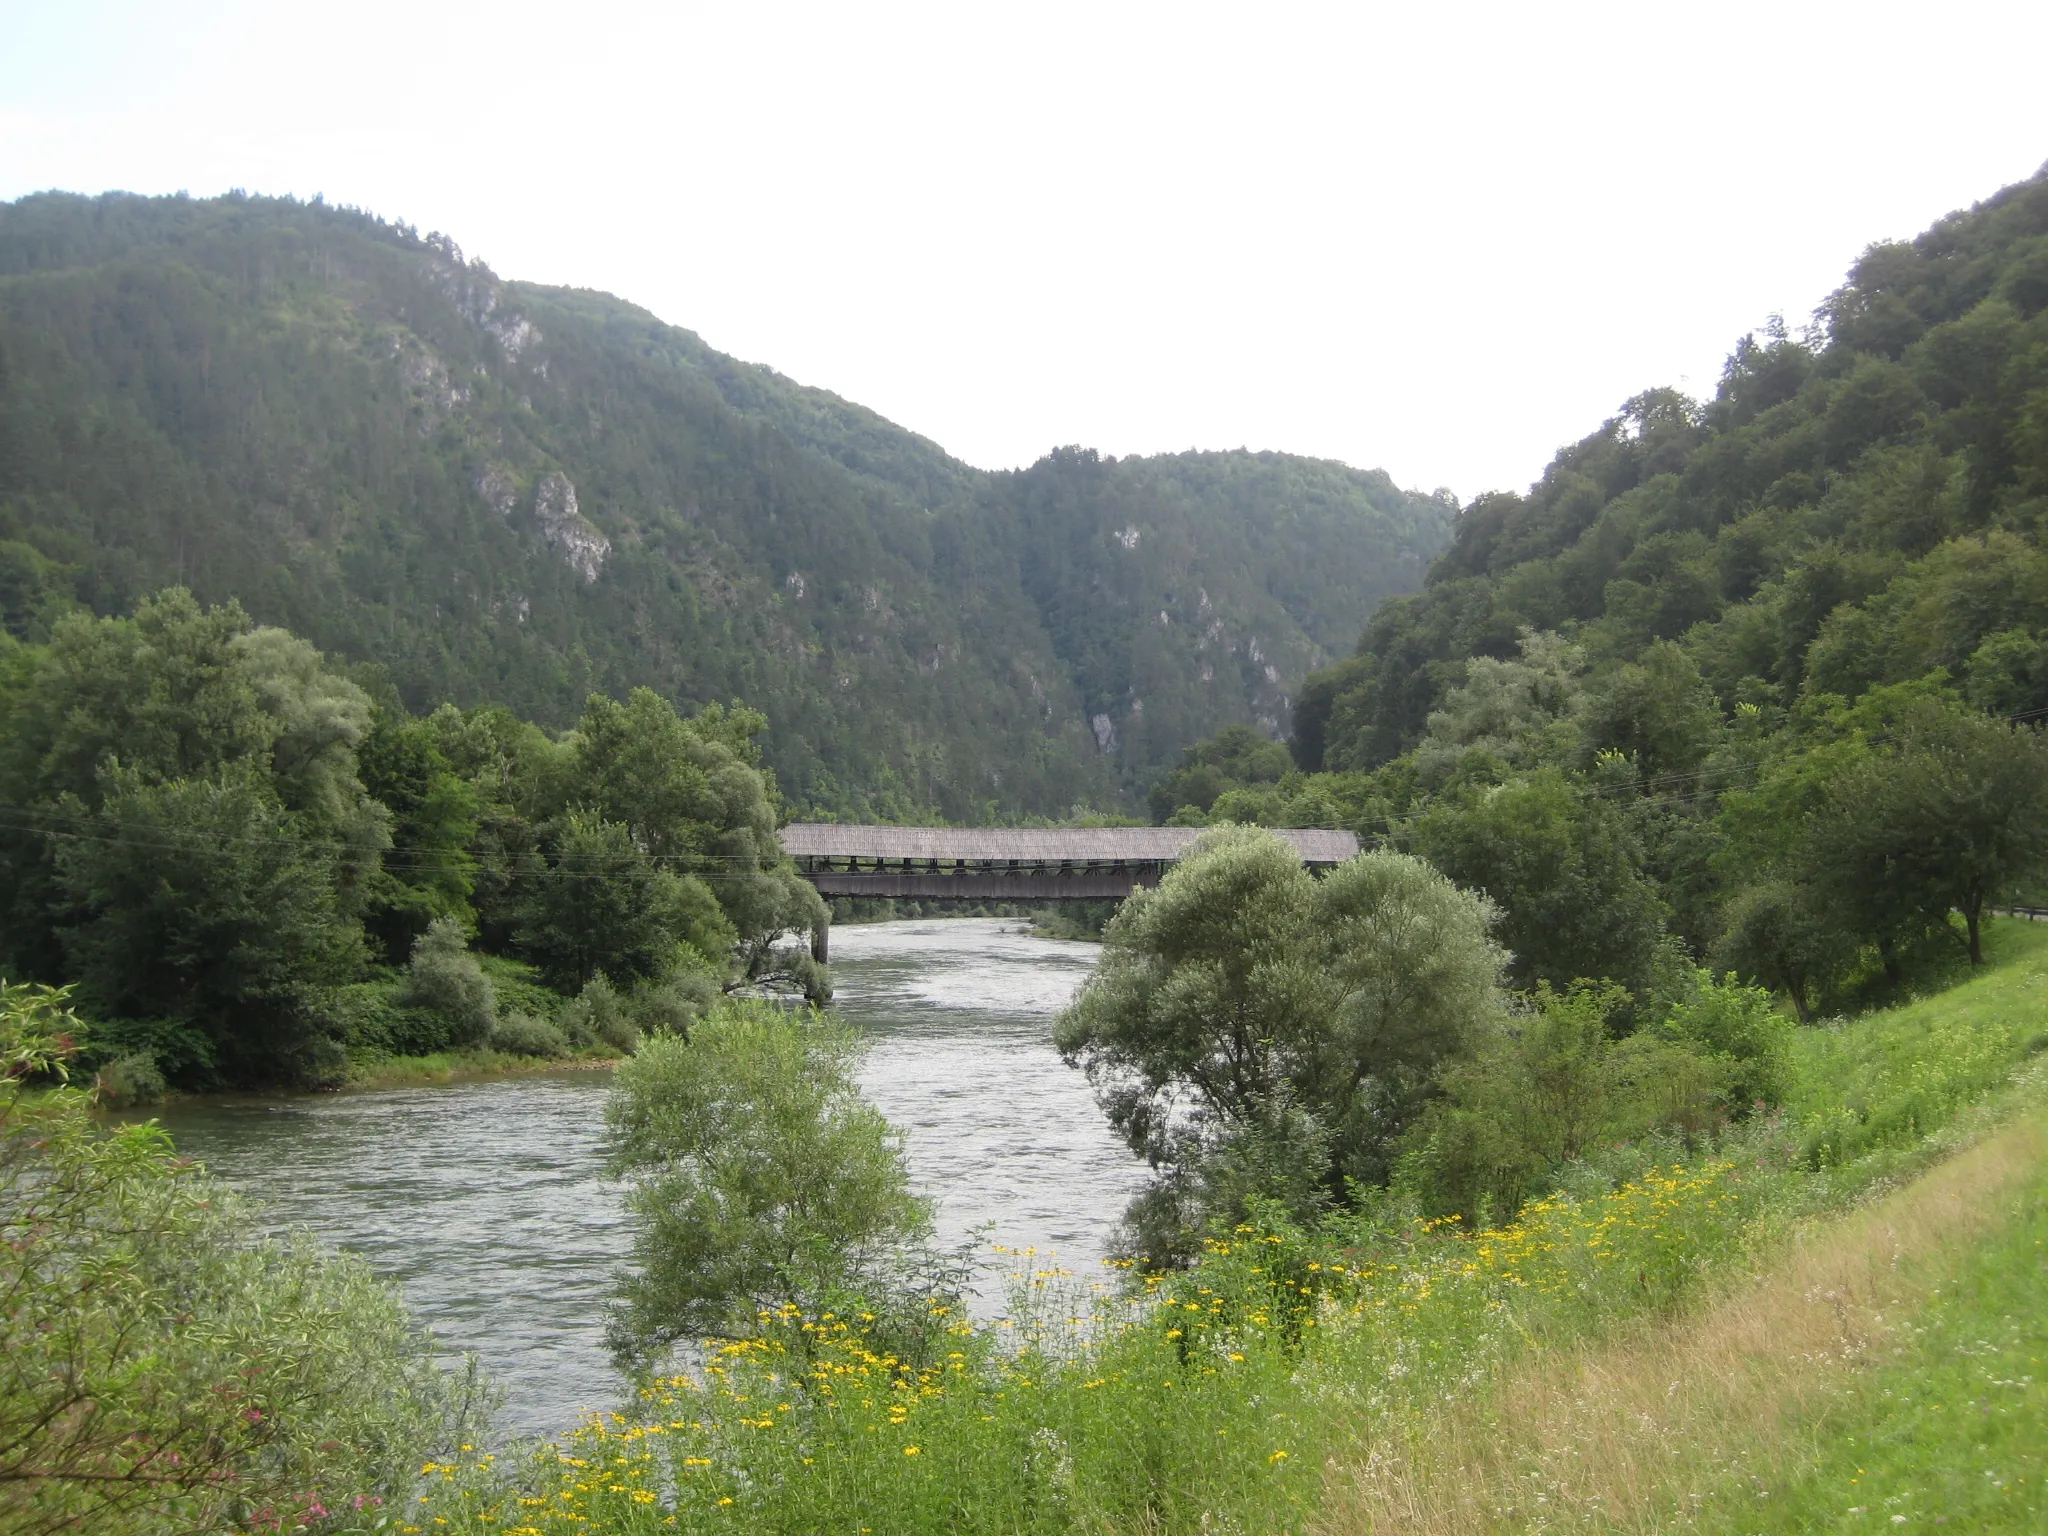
[1952, 1430]
[1214, 1403]
[1887, 1080]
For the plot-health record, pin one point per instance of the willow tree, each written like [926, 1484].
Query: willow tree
[1252, 1030]
[758, 1179]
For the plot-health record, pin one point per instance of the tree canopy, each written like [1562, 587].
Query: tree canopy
[221, 839]
[1251, 1029]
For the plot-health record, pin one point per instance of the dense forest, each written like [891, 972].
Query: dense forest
[253, 871]
[1753, 680]
[475, 491]
[368, 624]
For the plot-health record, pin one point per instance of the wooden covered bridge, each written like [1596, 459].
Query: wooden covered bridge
[1007, 863]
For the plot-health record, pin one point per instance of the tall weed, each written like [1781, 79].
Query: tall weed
[1210, 1400]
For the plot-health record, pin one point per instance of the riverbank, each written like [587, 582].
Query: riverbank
[438, 1069]
[474, 1066]
[1218, 1399]
[1762, 1410]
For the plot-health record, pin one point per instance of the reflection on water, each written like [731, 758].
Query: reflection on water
[486, 1202]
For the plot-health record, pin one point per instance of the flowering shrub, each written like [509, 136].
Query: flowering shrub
[164, 1368]
[1210, 1399]
[1203, 1393]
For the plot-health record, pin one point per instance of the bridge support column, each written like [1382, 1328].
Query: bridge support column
[821, 942]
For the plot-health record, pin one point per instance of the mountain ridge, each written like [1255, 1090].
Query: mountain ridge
[521, 493]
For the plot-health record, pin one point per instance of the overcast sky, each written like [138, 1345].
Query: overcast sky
[1443, 239]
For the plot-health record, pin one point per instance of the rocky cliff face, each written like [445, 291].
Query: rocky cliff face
[567, 531]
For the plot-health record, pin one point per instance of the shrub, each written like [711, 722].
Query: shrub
[521, 1034]
[370, 1018]
[130, 1080]
[758, 1180]
[1742, 1026]
[599, 1014]
[179, 1048]
[676, 1002]
[446, 978]
[207, 1379]
[1545, 1091]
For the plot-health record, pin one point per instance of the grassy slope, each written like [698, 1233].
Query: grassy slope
[1741, 1415]
[1882, 1082]
[1628, 1361]
[1952, 1427]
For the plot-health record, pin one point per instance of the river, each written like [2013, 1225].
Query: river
[486, 1200]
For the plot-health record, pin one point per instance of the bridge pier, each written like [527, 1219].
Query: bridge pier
[821, 940]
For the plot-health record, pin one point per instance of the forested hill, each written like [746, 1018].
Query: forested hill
[506, 493]
[1859, 505]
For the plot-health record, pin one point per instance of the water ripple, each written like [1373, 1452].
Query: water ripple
[486, 1202]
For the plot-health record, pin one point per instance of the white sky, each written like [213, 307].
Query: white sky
[1443, 239]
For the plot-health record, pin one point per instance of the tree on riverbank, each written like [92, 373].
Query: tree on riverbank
[1253, 1030]
[758, 1181]
[231, 849]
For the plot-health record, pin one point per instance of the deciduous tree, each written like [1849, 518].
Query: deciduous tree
[758, 1178]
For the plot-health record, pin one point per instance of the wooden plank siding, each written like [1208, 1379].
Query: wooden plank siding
[1009, 863]
[1030, 845]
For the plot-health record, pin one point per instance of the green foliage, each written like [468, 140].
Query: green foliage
[601, 903]
[758, 1179]
[1958, 815]
[445, 978]
[521, 1034]
[672, 1004]
[1863, 829]
[1564, 869]
[1512, 714]
[691, 798]
[1742, 1028]
[1544, 1091]
[1658, 713]
[207, 902]
[189, 839]
[506, 492]
[1235, 757]
[433, 818]
[600, 1014]
[199, 838]
[129, 1081]
[168, 1368]
[1787, 937]
[1252, 1030]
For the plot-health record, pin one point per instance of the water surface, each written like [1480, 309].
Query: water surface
[486, 1201]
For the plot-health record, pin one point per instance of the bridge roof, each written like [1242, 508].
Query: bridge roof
[1109, 845]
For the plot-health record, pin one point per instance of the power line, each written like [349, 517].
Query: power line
[153, 836]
